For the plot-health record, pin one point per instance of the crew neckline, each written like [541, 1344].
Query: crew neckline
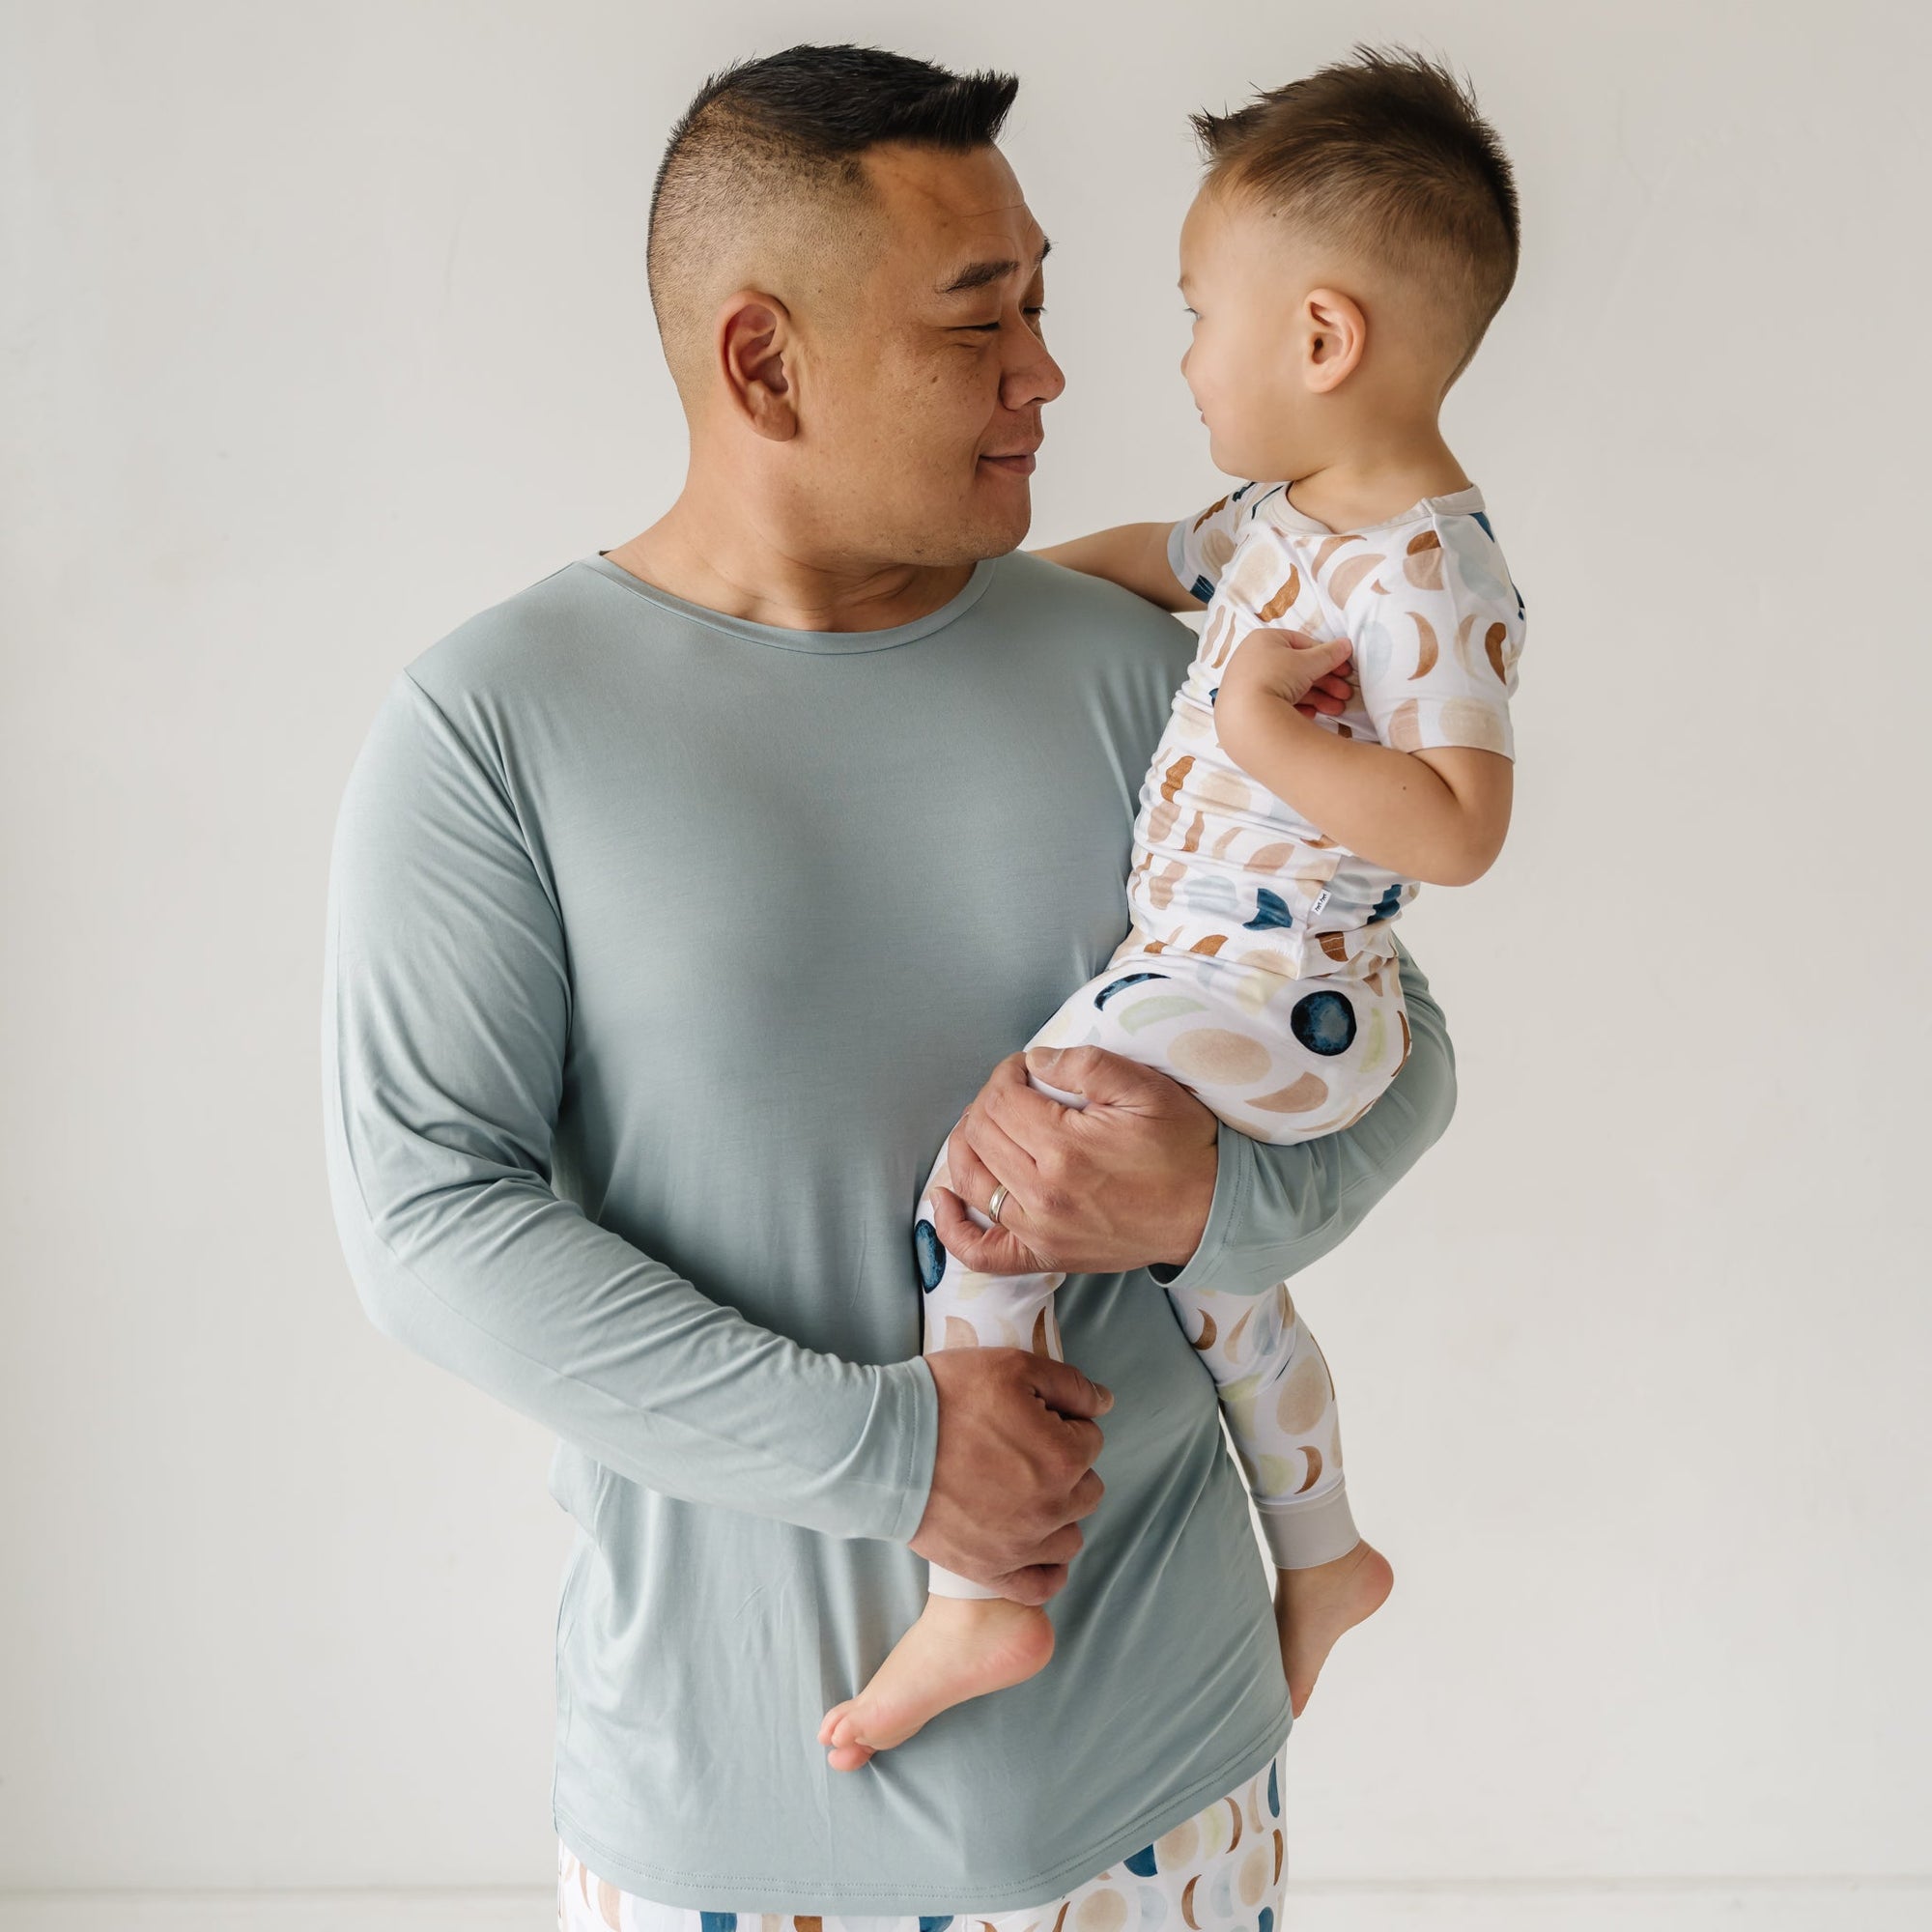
[778, 636]
[1453, 503]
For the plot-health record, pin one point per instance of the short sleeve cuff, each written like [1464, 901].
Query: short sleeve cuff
[1448, 723]
[1185, 575]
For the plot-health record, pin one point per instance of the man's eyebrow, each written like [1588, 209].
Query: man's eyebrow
[976, 274]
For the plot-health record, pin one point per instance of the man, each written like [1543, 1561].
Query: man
[677, 905]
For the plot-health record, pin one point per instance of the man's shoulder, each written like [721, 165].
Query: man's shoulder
[520, 644]
[1081, 609]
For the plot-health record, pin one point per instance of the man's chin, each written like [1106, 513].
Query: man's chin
[1000, 520]
[988, 523]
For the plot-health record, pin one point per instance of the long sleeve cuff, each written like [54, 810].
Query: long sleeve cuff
[1276, 1209]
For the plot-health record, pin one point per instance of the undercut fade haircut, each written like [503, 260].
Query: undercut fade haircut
[1387, 154]
[772, 147]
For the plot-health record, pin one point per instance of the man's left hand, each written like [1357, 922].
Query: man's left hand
[1121, 1182]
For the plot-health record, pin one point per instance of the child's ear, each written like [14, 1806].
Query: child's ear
[1334, 334]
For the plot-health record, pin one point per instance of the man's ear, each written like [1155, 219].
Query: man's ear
[754, 339]
[1334, 338]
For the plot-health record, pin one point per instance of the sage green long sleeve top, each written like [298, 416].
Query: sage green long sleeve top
[662, 951]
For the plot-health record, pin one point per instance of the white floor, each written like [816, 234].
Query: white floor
[1788, 1905]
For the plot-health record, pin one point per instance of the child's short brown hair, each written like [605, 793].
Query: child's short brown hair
[1384, 154]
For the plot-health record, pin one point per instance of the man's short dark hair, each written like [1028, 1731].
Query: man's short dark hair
[1385, 155]
[763, 136]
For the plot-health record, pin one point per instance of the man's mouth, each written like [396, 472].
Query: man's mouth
[1016, 462]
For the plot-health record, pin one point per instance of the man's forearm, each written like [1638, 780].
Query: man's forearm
[505, 1285]
[447, 995]
[1276, 1209]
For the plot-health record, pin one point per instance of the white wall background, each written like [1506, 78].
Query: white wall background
[324, 326]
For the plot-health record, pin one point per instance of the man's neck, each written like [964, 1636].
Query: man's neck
[728, 558]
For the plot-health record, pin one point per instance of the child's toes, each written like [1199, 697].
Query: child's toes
[831, 1717]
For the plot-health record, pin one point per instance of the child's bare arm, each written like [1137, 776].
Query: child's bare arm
[1133, 555]
[1438, 814]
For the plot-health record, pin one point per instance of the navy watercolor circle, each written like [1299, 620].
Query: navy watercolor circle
[930, 1255]
[1323, 1022]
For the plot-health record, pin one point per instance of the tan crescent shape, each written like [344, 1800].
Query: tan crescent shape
[1425, 646]
[1492, 650]
[1314, 1474]
[1187, 1902]
[1236, 1810]
[1298, 1097]
[1347, 577]
[609, 1903]
[1206, 1340]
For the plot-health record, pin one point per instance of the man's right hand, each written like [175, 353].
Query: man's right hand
[1013, 1471]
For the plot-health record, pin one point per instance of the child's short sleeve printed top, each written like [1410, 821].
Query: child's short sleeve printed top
[1220, 865]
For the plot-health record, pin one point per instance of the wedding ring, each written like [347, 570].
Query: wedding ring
[998, 1202]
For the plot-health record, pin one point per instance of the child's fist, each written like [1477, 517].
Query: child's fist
[1285, 667]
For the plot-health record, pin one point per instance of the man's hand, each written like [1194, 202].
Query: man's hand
[1123, 1181]
[1013, 1470]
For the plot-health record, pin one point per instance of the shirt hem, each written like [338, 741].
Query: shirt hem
[725, 1891]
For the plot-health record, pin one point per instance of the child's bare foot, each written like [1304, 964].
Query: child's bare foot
[960, 1647]
[1312, 1607]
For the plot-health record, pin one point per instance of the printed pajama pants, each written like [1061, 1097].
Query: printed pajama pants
[1283, 1060]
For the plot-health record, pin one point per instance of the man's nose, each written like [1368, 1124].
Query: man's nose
[1033, 377]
